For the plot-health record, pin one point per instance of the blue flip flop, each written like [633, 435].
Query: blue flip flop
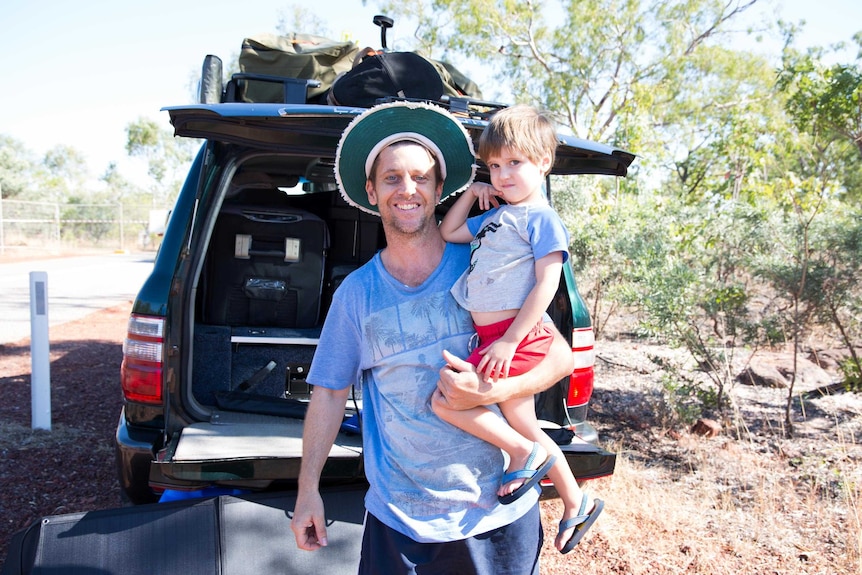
[581, 522]
[532, 476]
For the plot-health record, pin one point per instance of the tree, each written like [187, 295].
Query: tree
[825, 101]
[607, 69]
[824, 98]
[818, 271]
[18, 166]
[298, 18]
[834, 269]
[64, 173]
[168, 158]
[690, 280]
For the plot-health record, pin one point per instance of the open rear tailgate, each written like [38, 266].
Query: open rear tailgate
[206, 453]
[236, 451]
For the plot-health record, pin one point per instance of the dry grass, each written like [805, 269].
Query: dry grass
[731, 507]
[753, 521]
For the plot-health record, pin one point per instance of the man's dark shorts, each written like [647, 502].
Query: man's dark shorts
[510, 550]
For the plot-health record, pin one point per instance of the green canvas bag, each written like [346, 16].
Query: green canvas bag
[303, 56]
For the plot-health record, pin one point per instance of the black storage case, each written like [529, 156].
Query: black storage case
[266, 267]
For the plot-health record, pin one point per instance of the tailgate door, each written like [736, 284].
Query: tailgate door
[235, 447]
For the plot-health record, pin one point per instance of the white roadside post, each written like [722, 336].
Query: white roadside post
[40, 359]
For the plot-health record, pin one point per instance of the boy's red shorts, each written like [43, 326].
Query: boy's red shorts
[530, 351]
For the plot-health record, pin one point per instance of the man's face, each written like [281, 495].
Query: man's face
[405, 188]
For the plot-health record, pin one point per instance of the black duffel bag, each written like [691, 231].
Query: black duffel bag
[387, 74]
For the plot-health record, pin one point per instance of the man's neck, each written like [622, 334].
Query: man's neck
[411, 260]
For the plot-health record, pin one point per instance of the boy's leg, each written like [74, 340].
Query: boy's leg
[521, 415]
[520, 412]
[483, 423]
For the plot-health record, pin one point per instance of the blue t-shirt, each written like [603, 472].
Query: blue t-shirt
[429, 480]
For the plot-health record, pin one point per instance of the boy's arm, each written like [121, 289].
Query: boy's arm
[454, 228]
[498, 356]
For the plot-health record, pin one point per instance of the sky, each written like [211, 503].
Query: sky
[77, 73]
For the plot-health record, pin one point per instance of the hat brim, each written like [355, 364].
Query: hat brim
[385, 120]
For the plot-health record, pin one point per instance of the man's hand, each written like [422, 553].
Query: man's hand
[309, 523]
[462, 386]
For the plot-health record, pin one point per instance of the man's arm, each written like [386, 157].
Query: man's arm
[322, 422]
[465, 389]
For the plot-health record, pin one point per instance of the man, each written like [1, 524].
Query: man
[432, 503]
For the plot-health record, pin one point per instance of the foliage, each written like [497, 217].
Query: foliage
[88, 222]
[830, 290]
[60, 176]
[603, 225]
[635, 74]
[301, 19]
[824, 99]
[689, 278]
[824, 102]
[852, 375]
[17, 168]
[65, 173]
[60, 172]
[683, 399]
[168, 158]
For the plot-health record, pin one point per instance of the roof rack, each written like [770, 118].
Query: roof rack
[295, 91]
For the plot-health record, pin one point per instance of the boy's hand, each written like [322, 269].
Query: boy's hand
[496, 360]
[486, 194]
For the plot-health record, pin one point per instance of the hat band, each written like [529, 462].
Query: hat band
[410, 137]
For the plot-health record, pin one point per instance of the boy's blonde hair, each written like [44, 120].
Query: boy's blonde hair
[522, 128]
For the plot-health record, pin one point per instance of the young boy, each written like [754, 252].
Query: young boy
[517, 253]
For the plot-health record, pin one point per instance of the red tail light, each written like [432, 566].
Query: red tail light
[581, 380]
[143, 349]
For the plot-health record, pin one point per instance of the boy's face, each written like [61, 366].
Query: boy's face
[517, 178]
[405, 187]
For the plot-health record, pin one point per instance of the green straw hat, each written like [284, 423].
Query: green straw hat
[385, 124]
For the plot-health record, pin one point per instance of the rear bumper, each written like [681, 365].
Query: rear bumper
[588, 461]
[585, 458]
[135, 451]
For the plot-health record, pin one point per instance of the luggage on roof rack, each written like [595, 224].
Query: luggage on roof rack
[304, 68]
[298, 56]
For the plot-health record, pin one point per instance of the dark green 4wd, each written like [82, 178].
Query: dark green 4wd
[222, 333]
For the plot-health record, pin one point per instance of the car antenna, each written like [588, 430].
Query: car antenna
[384, 22]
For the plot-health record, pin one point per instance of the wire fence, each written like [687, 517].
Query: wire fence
[55, 227]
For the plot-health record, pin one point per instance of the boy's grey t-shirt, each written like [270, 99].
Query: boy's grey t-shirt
[507, 242]
[428, 479]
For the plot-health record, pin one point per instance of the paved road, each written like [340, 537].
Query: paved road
[76, 287]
